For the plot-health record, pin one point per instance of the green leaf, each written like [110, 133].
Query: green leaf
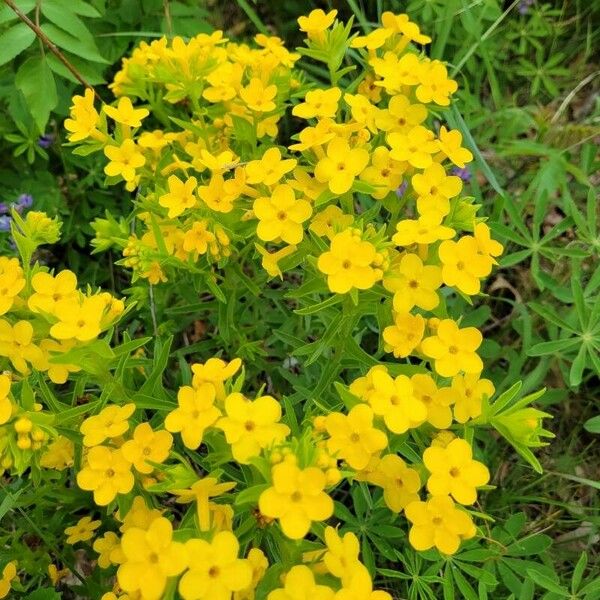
[547, 583]
[69, 43]
[14, 41]
[35, 81]
[592, 425]
[8, 14]
[555, 346]
[60, 14]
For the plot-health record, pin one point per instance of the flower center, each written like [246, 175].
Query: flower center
[296, 496]
[355, 438]
[346, 264]
[413, 284]
[454, 472]
[453, 350]
[281, 215]
[109, 473]
[249, 426]
[214, 571]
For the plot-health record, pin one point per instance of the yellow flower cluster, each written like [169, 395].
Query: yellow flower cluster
[364, 201]
[45, 317]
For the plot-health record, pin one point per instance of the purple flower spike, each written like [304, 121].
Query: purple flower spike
[464, 174]
[5, 222]
[46, 140]
[24, 201]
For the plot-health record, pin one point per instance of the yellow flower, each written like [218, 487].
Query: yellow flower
[151, 557]
[270, 260]
[251, 426]
[437, 400]
[257, 97]
[5, 403]
[124, 160]
[147, 445]
[84, 117]
[449, 144]
[413, 284]
[82, 531]
[348, 263]
[57, 575]
[341, 558]
[427, 229]
[396, 72]
[110, 423]
[16, 343]
[362, 110]
[106, 473]
[469, 391]
[434, 84]
[215, 571]
[180, 197]
[486, 246]
[125, 114]
[300, 585]
[400, 483]
[270, 168]
[60, 454]
[78, 318]
[49, 290]
[437, 522]
[341, 165]
[330, 221]
[373, 40]
[400, 115]
[200, 492]
[404, 335]
[434, 189]
[11, 282]
[198, 238]
[281, 215]
[214, 195]
[318, 103]
[259, 564]
[195, 414]
[453, 471]
[316, 22]
[105, 547]
[394, 400]
[453, 349]
[384, 173]
[215, 371]
[9, 574]
[139, 515]
[296, 498]
[360, 587]
[352, 437]
[403, 25]
[462, 264]
[415, 146]
[310, 137]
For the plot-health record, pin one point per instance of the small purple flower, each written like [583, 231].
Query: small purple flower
[524, 6]
[5, 222]
[24, 201]
[400, 191]
[464, 173]
[4, 208]
[46, 140]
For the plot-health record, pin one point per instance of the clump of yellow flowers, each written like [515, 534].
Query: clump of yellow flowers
[224, 489]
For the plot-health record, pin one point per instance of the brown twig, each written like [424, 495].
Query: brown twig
[50, 45]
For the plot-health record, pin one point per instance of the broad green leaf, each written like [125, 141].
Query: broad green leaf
[13, 41]
[8, 14]
[71, 44]
[592, 425]
[59, 12]
[35, 81]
